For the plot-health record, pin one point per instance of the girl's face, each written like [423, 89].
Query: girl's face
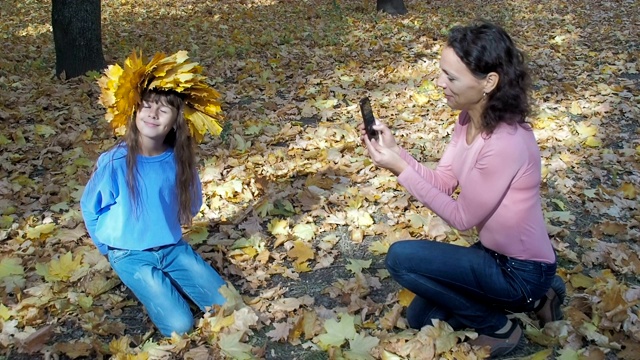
[154, 120]
[462, 90]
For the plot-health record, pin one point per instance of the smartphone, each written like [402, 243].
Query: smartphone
[369, 119]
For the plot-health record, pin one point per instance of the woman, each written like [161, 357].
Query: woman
[494, 160]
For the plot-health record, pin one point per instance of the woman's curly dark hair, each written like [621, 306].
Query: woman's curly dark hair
[484, 48]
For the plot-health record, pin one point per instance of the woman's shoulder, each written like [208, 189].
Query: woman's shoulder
[512, 137]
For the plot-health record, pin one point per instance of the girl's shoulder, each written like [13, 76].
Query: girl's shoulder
[115, 154]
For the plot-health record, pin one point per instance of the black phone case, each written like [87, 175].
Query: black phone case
[369, 119]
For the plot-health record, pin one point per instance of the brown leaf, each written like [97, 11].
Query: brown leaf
[34, 342]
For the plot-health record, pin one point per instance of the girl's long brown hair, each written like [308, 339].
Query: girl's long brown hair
[183, 147]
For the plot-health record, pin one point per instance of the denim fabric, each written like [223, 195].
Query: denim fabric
[160, 276]
[466, 286]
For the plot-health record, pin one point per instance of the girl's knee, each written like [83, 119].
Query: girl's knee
[180, 324]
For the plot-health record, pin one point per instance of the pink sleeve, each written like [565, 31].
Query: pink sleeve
[442, 177]
[488, 180]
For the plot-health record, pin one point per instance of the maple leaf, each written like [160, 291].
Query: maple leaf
[36, 340]
[245, 319]
[232, 296]
[278, 227]
[280, 331]
[5, 313]
[74, 349]
[360, 347]
[38, 231]
[356, 266]
[61, 269]
[337, 332]
[197, 235]
[231, 345]
[219, 321]
[568, 354]
[10, 266]
[379, 247]
[304, 231]
[405, 297]
[301, 251]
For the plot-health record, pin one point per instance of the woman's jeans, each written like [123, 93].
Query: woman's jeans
[159, 276]
[466, 286]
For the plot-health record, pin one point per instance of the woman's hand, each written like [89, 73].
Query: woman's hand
[385, 137]
[384, 152]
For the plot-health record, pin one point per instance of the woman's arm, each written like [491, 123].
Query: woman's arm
[485, 185]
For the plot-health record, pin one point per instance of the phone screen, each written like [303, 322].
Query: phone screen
[369, 119]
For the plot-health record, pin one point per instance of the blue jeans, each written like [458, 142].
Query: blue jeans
[159, 276]
[470, 287]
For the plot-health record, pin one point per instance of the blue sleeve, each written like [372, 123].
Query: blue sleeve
[99, 194]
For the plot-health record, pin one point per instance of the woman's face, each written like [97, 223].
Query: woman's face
[462, 90]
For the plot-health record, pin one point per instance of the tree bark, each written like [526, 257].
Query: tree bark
[77, 35]
[392, 7]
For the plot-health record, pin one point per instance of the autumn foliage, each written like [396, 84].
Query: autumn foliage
[295, 216]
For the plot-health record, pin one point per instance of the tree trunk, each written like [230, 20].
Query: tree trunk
[77, 35]
[392, 7]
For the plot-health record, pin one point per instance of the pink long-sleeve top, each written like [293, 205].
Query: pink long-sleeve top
[499, 179]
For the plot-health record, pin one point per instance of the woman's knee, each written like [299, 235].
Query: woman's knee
[398, 254]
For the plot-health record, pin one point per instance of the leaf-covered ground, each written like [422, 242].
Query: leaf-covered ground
[295, 216]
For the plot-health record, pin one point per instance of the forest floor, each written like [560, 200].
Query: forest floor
[296, 217]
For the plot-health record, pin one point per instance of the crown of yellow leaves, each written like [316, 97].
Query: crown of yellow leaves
[121, 89]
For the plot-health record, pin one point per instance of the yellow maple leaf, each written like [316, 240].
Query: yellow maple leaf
[278, 227]
[593, 141]
[586, 130]
[405, 297]
[38, 231]
[301, 251]
[61, 269]
[628, 191]
[304, 231]
[379, 247]
[120, 346]
[5, 313]
[301, 267]
[219, 321]
[580, 280]
[575, 109]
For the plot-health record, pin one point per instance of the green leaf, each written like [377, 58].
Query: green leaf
[44, 130]
[11, 266]
[198, 235]
[356, 266]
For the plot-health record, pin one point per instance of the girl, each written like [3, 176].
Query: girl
[494, 159]
[141, 192]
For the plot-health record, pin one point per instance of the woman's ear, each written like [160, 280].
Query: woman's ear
[491, 81]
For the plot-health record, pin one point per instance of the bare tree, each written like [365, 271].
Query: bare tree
[77, 35]
[393, 7]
